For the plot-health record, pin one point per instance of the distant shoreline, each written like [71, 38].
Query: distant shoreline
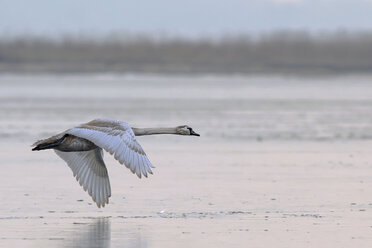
[283, 54]
[31, 70]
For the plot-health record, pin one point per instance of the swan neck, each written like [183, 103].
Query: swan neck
[151, 131]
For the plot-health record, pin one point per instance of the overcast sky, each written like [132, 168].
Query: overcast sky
[188, 17]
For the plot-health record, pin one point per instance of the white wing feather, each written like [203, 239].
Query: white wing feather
[90, 171]
[118, 139]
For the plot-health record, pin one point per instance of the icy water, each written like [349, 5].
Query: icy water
[281, 162]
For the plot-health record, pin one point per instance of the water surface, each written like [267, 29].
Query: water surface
[281, 162]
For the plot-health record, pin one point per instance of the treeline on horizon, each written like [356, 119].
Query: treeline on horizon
[279, 52]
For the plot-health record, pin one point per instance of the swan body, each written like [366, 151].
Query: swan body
[81, 147]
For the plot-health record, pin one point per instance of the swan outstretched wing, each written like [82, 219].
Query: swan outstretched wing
[90, 171]
[117, 138]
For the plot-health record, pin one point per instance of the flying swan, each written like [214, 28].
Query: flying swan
[81, 148]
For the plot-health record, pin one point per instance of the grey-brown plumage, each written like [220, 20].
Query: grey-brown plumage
[81, 148]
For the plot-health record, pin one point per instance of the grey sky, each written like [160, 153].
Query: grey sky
[188, 17]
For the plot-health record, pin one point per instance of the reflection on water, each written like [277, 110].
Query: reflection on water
[96, 234]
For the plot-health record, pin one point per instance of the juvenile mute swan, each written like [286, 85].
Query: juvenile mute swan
[81, 148]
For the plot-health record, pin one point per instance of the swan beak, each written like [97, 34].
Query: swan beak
[193, 133]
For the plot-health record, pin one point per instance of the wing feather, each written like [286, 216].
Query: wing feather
[118, 139]
[131, 161]
[90, 171]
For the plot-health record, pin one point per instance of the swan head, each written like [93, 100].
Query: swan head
[186, 130]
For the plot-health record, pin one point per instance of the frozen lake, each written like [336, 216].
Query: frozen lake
[282, 162]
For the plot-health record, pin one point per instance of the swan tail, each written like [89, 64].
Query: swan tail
[48, 144]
